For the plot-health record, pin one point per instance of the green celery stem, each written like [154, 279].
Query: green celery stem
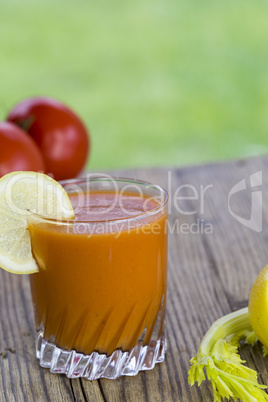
[225, 326]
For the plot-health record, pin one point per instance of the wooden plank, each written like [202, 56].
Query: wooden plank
[22, 379]
[209, 275]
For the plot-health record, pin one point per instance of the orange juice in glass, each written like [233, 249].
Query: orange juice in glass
[100, 294]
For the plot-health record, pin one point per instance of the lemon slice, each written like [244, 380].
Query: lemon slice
[23, 194]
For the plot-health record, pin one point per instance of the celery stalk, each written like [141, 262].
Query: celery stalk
[218, 356]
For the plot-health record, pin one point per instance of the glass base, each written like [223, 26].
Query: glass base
[97, 365]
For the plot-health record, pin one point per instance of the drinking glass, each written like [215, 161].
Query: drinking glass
[100, 294]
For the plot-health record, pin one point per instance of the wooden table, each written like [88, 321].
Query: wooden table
[213, 261]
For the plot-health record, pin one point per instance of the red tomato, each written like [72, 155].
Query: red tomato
[59, 133]
[18, 151]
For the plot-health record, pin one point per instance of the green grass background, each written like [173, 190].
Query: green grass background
[157, 82]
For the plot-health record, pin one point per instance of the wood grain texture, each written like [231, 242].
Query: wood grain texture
[209, 275]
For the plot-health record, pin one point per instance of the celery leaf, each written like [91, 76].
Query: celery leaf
[218, 357]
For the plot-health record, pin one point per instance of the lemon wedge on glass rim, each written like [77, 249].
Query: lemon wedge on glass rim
[23, 194]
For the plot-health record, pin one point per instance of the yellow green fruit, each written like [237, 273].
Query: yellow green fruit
[258, 306]
[24, 195]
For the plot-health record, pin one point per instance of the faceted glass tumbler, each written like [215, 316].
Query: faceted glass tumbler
[100, 294]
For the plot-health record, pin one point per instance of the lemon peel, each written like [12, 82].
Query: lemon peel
[258, 306]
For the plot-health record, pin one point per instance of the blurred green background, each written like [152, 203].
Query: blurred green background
[157, 82]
